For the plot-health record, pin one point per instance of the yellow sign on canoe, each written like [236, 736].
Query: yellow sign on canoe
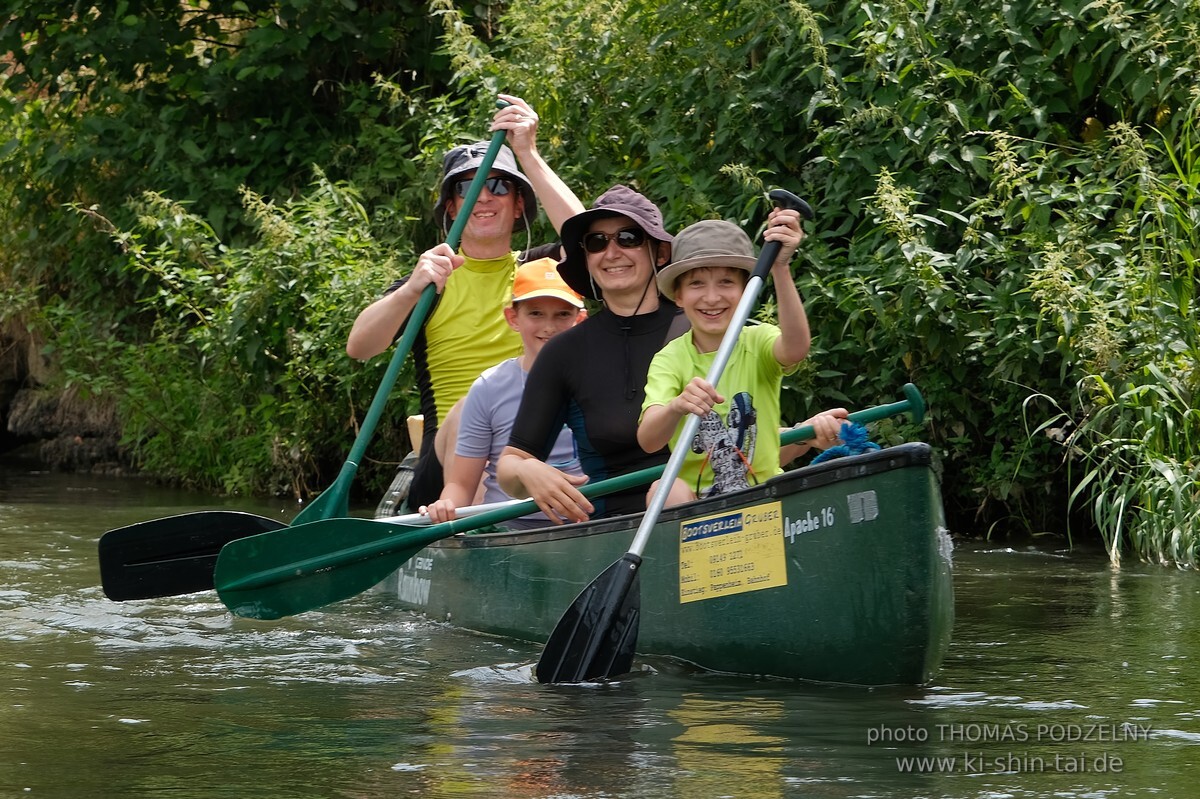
[732, 553]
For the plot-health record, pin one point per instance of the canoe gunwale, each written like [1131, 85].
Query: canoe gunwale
[804, 478]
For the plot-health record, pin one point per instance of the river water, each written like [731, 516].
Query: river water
[1065, 679]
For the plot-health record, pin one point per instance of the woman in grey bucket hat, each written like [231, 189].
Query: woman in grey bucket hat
[593, 376]
[616, 202]
[466, 332]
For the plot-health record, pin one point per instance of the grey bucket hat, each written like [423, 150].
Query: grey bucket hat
[713, 242]
[468, 158]
[617, 201]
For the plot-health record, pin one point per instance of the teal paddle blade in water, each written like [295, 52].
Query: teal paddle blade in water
[300, 568]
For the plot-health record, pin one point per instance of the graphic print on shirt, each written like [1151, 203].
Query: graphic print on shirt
[729, 443]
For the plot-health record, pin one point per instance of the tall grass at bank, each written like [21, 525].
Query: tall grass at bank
[1137, 437]
[1143, 489]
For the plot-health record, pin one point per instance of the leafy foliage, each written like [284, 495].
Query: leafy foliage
[194, 102]
[953, 169]
[246, 368]
[1006, 197]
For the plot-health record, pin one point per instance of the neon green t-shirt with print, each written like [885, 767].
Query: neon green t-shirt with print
[739, 439]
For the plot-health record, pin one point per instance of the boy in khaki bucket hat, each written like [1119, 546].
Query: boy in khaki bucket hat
[738, 441]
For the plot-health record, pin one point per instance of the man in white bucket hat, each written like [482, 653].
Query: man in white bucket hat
[466, 331]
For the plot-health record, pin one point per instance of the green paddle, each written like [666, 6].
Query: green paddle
[334, 501]
[289, 571]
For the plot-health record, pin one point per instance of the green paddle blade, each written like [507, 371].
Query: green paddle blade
[304, 567]
[334, 501]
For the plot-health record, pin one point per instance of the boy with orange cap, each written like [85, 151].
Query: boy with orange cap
[542, 306]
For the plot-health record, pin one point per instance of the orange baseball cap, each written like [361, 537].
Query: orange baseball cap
[540, 278]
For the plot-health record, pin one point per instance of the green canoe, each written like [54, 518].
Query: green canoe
[839, 572]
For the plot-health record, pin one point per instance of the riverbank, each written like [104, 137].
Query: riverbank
[39, 418]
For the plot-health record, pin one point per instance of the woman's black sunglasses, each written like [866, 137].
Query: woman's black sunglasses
[497, 186]
[626, 238]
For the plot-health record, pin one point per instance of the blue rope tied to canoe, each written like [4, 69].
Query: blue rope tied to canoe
[856, 442]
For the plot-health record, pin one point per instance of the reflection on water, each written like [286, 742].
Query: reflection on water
[720, 741]
[1054, 655]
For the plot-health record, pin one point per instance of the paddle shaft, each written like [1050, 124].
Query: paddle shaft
[334, 501]
[409, 540]
[423, 520]
[596, 635]
[691, 425]
[913, 404]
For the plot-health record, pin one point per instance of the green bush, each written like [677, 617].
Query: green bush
[244, 383]
[958, 158]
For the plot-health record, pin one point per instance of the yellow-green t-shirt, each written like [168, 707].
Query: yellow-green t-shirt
[467, 332]
[745, 426]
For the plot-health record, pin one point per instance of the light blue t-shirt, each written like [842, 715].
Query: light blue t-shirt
[486, 422]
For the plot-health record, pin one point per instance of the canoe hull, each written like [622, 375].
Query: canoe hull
[839, 573]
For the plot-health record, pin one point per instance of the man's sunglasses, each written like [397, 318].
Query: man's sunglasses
[627, 239]
[497, 186]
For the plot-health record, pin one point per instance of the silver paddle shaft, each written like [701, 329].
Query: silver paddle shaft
[423, 520]
[691, 425]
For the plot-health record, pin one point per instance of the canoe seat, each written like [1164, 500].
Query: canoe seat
[416, 429]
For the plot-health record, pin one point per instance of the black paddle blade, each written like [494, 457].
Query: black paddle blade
[172, 556]
[596, 636]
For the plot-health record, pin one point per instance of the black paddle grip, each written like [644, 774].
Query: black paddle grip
[782, 198]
